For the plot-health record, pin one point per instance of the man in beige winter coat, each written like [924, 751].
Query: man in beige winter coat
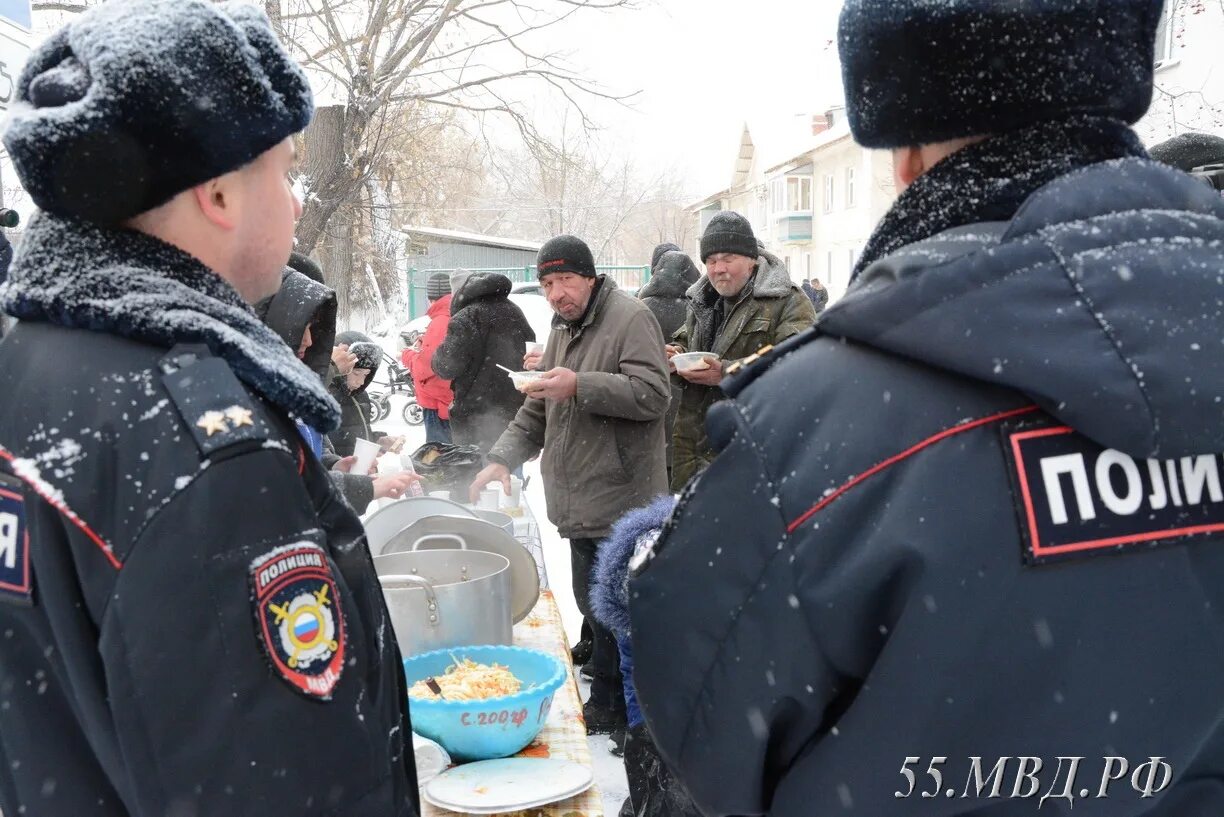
[597, 416]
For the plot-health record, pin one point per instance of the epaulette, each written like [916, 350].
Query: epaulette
[744, 371]
[215, 407]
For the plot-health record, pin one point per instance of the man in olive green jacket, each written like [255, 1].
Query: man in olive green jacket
[597, 414]
[746, 301]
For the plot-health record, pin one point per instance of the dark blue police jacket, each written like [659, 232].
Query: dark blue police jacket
[978, 512]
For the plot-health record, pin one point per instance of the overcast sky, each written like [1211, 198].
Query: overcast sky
[704, 67]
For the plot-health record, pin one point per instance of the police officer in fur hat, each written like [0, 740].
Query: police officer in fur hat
[977, 513]
[193, 623]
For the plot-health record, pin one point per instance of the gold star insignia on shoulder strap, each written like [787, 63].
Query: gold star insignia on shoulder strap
[213, 422]
[748, 361]
[239, 416]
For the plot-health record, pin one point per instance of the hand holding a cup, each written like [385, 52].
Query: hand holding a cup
[535, 353]
[393, 486]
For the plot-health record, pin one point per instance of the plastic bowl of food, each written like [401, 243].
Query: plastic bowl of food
[694, 361]
[521, 379]
[476, 727]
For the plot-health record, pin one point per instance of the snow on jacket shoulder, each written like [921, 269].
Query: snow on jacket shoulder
[143, 537]
[942, 545]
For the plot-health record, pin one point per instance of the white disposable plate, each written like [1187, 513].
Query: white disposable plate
[510, 784]
[688, 360]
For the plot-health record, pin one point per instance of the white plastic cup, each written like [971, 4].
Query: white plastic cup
[516, 493]
[488, 498]
[534, 348]
[366, 453]
[440, 494]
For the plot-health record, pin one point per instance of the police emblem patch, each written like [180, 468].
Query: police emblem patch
[16, 580]
[1076, 499]
[298, 617]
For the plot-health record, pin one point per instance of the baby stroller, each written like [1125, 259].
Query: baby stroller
[399, 381]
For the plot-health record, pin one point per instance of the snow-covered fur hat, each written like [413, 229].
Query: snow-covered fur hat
[136, 101]
[918, 72]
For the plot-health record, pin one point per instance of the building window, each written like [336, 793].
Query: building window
[1164, 35]
[799, 194]
[792, 194]
[849, 187]
[828, 193]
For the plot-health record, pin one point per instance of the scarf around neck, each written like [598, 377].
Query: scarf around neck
[78, 275]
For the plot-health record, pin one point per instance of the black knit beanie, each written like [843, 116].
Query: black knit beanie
[307, 266]
[565, 253]
[135, 101]
[728, 232]
[1190, 150]
[659, 252]
[918, 72]
[438, 286]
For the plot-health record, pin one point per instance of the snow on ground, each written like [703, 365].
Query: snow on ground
[609, 770]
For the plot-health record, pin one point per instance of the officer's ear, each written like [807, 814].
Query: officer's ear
[908, 164]
[218, 199]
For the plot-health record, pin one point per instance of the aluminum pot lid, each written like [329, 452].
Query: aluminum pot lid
[387, 521]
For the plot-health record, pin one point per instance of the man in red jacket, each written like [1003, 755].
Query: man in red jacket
[432, 392]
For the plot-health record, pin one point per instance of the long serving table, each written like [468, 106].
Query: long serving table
[564, 734]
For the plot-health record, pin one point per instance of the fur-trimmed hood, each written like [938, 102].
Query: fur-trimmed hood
[610, 582]
[771, 280]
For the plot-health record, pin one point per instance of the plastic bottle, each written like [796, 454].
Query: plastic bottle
[406, 462]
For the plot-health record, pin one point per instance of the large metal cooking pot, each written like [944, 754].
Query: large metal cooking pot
[446, 598]
[478, 535]
[496, 518]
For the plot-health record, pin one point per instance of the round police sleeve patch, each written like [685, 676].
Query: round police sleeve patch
[298, 617]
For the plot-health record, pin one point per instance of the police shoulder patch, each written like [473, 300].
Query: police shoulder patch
[16, 574]
[298, 617]
[1075, 498]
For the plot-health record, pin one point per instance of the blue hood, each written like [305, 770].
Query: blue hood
[1102, 300]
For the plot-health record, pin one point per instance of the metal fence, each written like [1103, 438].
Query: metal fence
[626, 278]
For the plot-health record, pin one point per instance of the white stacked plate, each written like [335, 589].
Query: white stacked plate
[509, 784]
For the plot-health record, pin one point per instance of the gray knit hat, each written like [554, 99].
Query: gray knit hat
[458, 279]
[438, 286]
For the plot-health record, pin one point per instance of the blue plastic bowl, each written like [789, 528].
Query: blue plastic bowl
[494, 727]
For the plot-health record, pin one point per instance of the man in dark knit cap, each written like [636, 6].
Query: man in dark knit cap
[1200, 154]
[193, 623]
[597, 414]
[744, 304]
[927, 546]
[1188, 151]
